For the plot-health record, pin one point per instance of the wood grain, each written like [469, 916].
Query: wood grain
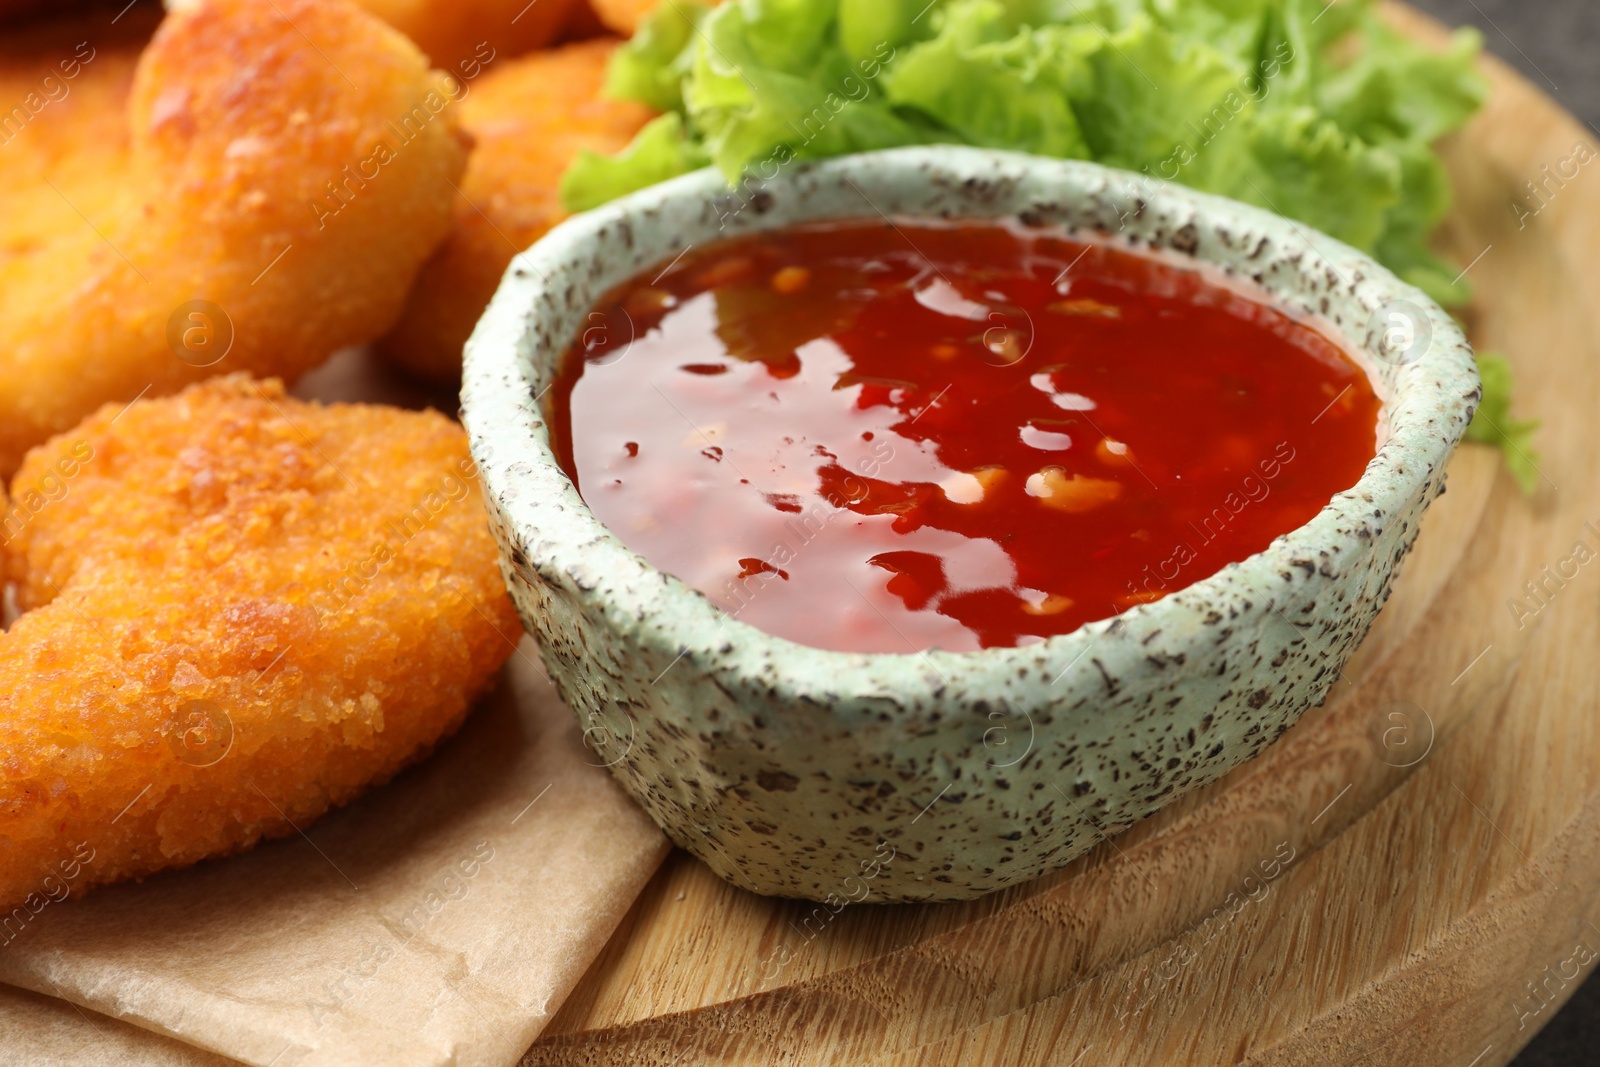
[1442, 810]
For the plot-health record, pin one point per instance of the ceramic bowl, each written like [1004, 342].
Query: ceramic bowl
[941, 776]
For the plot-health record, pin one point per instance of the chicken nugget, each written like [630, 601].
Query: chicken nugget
[286, 168]
[240, 610]
[64, 87]
[623, 16]
[529, 119]
[454, 33]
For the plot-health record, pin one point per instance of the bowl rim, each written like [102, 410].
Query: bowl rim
[565, 541]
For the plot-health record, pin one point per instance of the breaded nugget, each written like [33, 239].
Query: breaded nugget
[290, 165]
[240, 611]
[453, 31]
[64, 88]
[529, 118]
[623, 16]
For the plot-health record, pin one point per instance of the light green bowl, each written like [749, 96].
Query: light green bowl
[800, 772]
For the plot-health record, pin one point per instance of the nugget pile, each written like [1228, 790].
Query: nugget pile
[290, 165]
[239, 610]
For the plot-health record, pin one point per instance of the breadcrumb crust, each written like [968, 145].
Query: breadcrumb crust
[241, 610]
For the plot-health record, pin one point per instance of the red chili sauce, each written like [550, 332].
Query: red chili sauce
[889, 437]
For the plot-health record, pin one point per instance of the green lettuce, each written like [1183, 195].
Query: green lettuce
[652, 66]
[988, 85]
[662, 150]
[1316, 111]
[1493, 425]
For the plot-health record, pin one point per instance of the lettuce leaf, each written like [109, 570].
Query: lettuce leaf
[651, 66]
[1151, 91]
[749, 109]
[1423, 203]
[662, 150]
[1297, 163]
[1493, 424]
[991, 87]
[1316, 111]
[1394, 90]
[867, 25]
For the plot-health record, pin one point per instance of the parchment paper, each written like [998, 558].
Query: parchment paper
[441, 919]
[41, 1031]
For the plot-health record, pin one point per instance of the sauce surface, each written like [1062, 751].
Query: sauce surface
[890, 437]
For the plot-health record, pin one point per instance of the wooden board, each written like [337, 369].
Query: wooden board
[1442, 811]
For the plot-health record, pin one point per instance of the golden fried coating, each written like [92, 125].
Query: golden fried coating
[623, 16]
[529, 119]
[455, 31]
[290, 164]
[240, 611]
[64, 88]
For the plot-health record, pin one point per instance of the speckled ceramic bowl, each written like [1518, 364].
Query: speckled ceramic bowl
[799, 772]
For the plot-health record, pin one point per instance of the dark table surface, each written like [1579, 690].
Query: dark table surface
[1554, 43]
